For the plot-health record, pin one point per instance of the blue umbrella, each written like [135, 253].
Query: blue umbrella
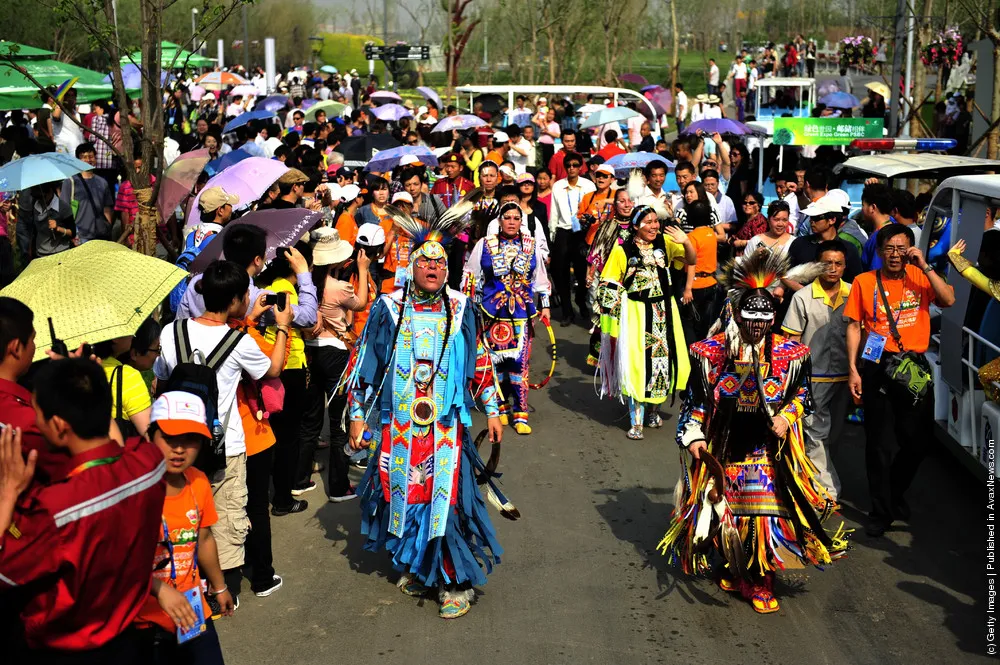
[720, 125]
[244, 118]
[227, 160]
[387, 160]
[841, 100]
[459, 122]
[132, 76]
[622, 164]
[608, 116]
[431, 96]
[273, 103]
[37, 169]
[391, 112]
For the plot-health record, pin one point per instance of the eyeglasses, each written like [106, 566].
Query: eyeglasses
[893, 250]
[432, 263]
[412, 142]
[602, 175]
[156, 350]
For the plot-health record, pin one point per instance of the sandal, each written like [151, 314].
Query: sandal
[763, 601]
[635, 433]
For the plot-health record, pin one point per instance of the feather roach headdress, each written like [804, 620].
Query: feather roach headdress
[764, 270]
[442, 231]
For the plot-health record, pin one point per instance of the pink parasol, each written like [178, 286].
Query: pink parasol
[636, 79]
[248, 179]
[179, 179]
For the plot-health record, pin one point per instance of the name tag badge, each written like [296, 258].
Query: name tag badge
[193, 597]
[874, 346]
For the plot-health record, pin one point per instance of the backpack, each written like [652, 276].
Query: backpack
[196, 374]
[186, 258]
[125, 426]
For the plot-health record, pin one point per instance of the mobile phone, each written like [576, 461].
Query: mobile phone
[58, 346]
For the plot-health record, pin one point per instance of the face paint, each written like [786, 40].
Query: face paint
[756, 314]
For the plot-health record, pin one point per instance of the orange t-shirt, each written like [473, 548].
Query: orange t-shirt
[258, 433]
[706, 247]
[358, 324]
[594, 204]
[495, 157]
[347, 227]
[909, 298]
[184, 514]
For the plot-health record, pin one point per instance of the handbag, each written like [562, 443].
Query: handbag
[906, 368]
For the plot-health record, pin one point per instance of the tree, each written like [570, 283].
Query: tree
[460, 29]
[97, 19]
[984, 15]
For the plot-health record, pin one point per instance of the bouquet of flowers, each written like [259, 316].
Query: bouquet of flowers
[945, 50]
[857, 51]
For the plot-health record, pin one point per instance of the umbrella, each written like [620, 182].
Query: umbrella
[179, 179]
[172, 56]
[308, 103]
[244, 118]
[459, 122]
[284, 228]
[387, 160]
[273, 103]
[359, 150]
[36, 169]
[333, 109]
[646, 88]
[840, 100]
[219, 80]
[879, 88]
[431, 96]
[662, 98]
[244, 90]
[248, 179]
[385, 96]
[633, 78]
[95, 292]
[657, 111]
[329, 69]
[622, 164]
[720, 125]
[229, 159]
[391, 112]
[132, 76]
[608, 116]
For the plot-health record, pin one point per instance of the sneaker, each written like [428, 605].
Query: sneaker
[305, 487]
[361, 463]
[350, 494]
[267, 591]
[296, 507]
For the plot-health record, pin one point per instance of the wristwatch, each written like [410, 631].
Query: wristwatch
[928, 268]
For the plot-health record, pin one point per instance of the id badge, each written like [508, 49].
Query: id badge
[193, 597]
[874, 346]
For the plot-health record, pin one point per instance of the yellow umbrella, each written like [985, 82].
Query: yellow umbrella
[879, 88]
[95, 292]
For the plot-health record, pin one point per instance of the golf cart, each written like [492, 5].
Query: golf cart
[776, 97]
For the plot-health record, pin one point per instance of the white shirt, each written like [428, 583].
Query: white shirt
[246, 357]
[727, 211]
[794, 216]
[713, 112]
[713, 74]
[739, 70]
[635, 130]
[566, 202]
[698, 111]
[234, 110]
[757, 242]
[67, 134]
[520, 161]
[753, 76]
[682, 105]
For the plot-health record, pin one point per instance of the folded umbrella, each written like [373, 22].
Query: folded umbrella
[244, 118]
[179, 179]
[431, 96]
[608, 116]
[219, 165]
[391, 112]
[840, 100]
[95, 292]
[622, 164]
[385, 96]
[273, 103]
[387, 160]
[35, 169]
[284, 228]
[333, 109]
[720, 125]
[459, 122]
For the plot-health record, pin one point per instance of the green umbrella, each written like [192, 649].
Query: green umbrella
[173, 56]
[333, 109]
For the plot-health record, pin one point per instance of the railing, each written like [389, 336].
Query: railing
[972, 371]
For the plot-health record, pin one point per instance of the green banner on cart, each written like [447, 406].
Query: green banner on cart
[825, 131]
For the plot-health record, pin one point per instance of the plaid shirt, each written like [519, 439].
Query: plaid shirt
[105, 158]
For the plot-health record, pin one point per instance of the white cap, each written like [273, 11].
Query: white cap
[349, 192]
[500, 137]
[409, 159]
[542, 100]
[402, 196]
[604, 168]
[507, 171]
[334, 190]
[841, 197]
[422, 110]
[177, 413]
[825, 205]
[209, 95]
[370, 235]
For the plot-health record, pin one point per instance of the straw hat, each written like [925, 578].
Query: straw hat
[328, 248]
[879, 88]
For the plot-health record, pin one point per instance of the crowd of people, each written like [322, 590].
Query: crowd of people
[152, 469]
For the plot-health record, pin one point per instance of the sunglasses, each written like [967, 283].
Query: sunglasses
[749, 203]
[572, 166]
[601, 175]
[412, 142]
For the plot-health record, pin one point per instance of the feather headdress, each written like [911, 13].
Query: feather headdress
[764, 270]
[447, 226]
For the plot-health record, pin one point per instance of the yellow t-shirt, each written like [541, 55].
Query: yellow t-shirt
[296, 357]
[135, 393]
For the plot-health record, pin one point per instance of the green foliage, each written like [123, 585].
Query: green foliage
[347, 52]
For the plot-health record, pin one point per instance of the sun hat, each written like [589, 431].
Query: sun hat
[370, 235]
[214, 198]
[177, 413]
[328, 248]
[714, 99]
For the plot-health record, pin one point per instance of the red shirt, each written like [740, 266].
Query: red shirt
[557, 169]
[86, 543]
[16, 411]
[451, 191]
[610, 150]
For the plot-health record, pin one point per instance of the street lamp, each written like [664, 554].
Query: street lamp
[194, 29]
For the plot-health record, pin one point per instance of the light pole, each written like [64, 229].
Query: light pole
[194, 29]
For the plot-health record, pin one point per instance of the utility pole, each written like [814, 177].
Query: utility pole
[246, 42]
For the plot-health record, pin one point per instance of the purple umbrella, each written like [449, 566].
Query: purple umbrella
[384, 96]
[633, 78]
[178, 180]
[307, 103]
[662, 97]
[273, 103]
[431, 96]
[650, 87]
[391, 112]
[248, 179]
[720, 125]
[284, 228]
[622, 164]
[459, 122]
[386, 160]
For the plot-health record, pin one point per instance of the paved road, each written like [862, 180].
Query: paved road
[581, 581]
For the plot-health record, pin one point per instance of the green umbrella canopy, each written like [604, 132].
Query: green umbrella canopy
[169, 57]
[18, 92]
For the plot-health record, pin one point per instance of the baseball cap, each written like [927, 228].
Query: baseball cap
[822, 206]
[370, 235]
[402, 196]
[604, 168]
[214, 198]
[542, 100]
[406, 160]
[841, 197]
[500, 137]
[525, 177]
[293, 176]
[178, 412]
[349, 193]
[507, 171]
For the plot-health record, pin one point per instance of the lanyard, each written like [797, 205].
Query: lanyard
[91, 464]
[170, 545]
[888, 312]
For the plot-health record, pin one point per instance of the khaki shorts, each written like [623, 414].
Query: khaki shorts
[229, 487]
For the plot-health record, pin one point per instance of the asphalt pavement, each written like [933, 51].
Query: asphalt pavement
[581, 581]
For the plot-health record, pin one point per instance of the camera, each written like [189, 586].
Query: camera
[279, 300]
